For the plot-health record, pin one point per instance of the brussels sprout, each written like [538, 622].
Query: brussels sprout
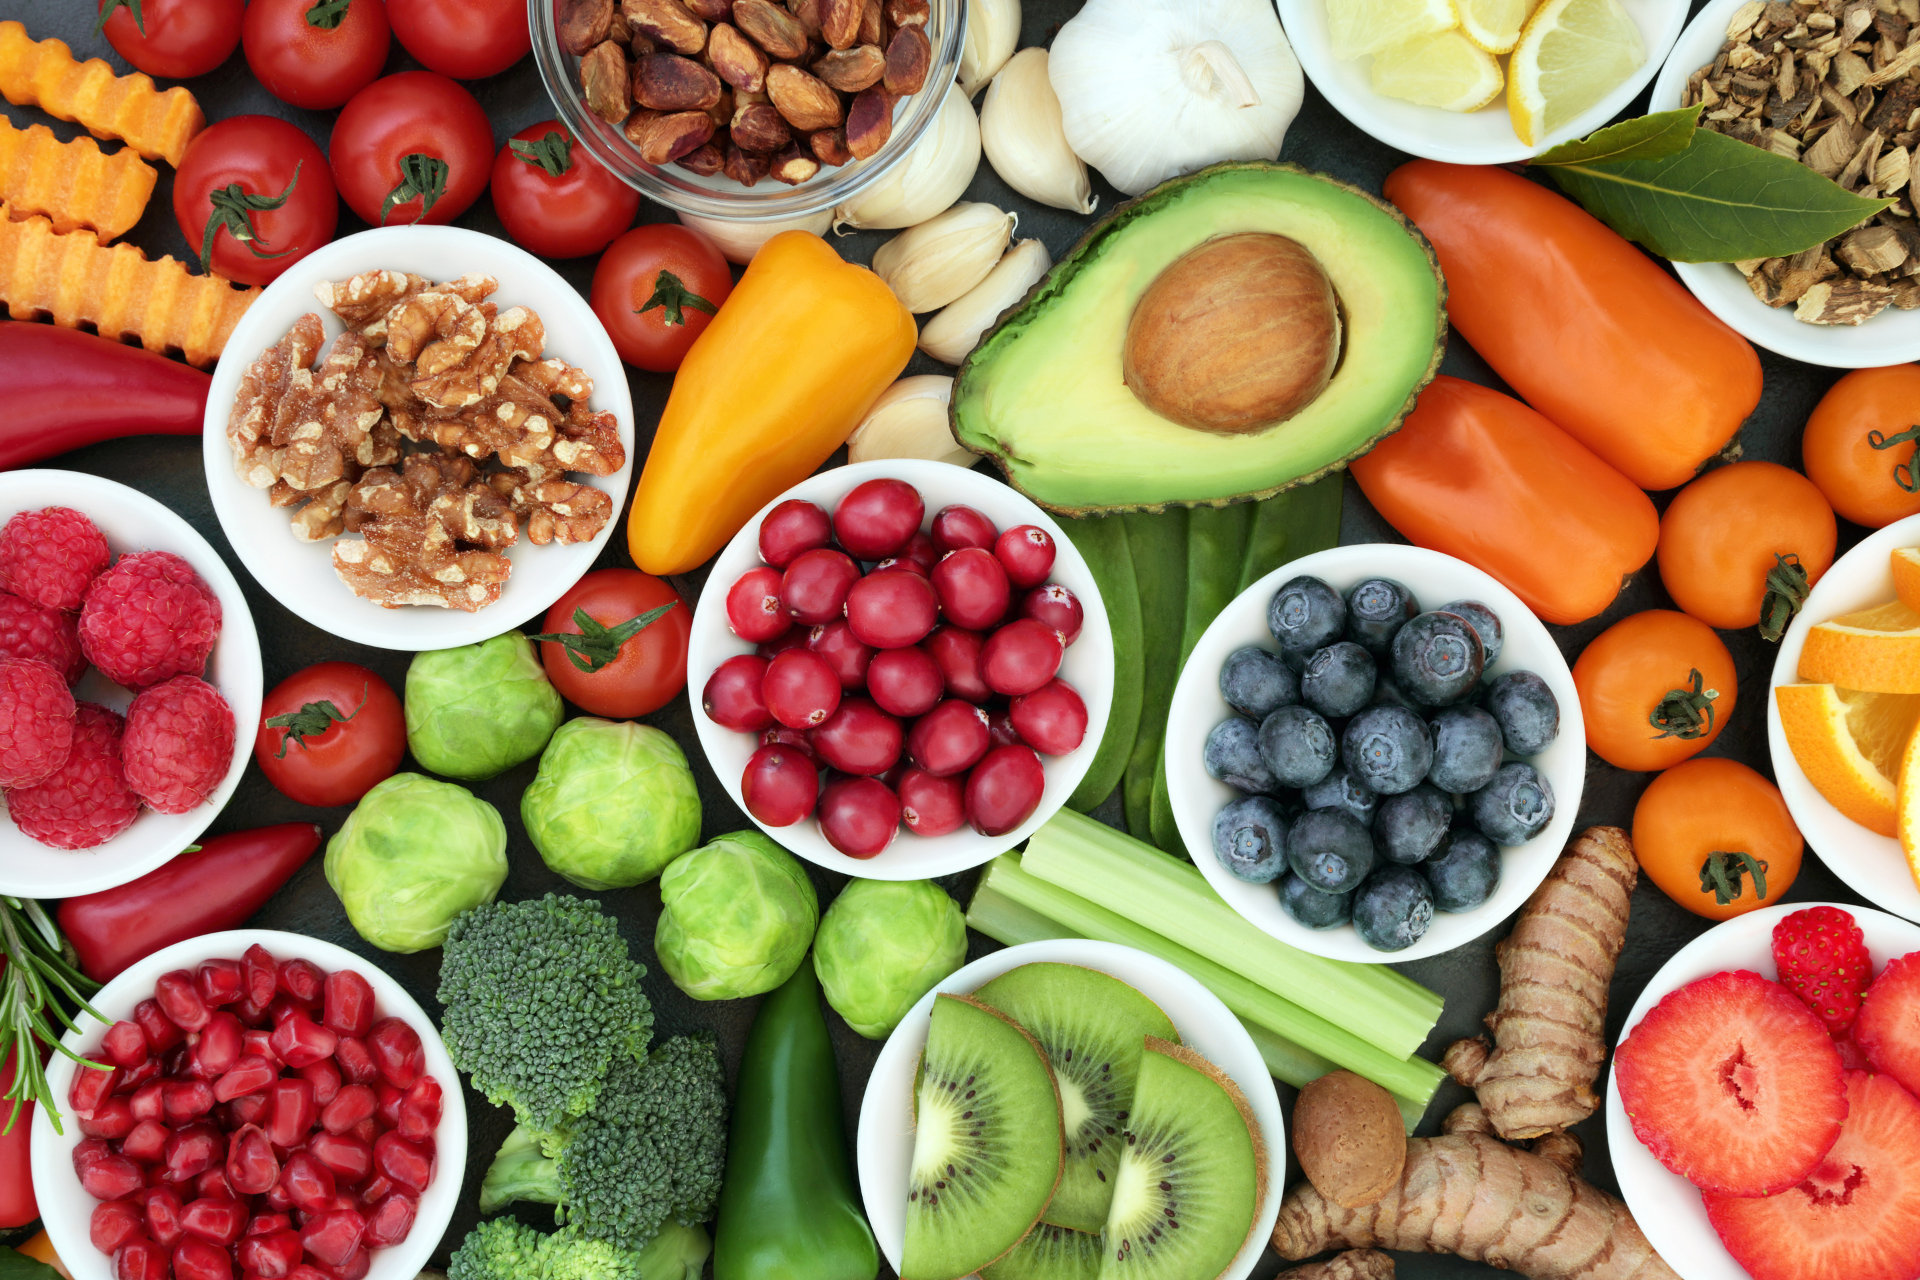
[478, 710]
[613, 804]
[412, 855]
[737, 915]
[882, 945]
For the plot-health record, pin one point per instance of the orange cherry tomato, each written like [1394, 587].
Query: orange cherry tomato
[1655, 688]
[1744, 535]
[1703, 828]
[1869, 485]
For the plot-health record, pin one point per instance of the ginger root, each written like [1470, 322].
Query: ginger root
[1549, 1029]
[1354, 1264]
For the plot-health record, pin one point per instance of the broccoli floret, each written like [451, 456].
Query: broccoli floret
[503, 1249]
[541, 999]
[498, 1249]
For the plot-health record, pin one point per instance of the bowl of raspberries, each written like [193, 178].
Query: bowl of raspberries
[128, 660]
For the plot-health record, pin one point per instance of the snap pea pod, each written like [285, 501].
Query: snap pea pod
[1159, 547]
[1102, 543]
[1290, 525]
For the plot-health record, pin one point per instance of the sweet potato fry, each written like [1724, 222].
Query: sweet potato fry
[44, 73]
[115, 289]
[73, 183]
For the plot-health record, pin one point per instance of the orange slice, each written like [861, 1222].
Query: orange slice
[1850, 746]
[1874, 650]
[1907, 802]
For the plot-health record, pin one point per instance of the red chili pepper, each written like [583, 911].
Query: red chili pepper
[219, 887]
[65, 389]
[17, 1205]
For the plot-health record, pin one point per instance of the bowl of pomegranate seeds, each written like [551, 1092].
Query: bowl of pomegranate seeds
[904, 669]
[274, 1106]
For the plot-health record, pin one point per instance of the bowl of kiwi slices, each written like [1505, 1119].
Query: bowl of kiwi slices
[970, 1162]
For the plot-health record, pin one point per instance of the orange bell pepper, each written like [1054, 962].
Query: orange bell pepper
[1584, 326]
[800, 351]
[1482, 477]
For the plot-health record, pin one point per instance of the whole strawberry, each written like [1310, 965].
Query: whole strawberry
[87, 801]
[36, 722]
[148, 618]
[1822, 958]
[178, 743]
[29, 630]
[49, 556]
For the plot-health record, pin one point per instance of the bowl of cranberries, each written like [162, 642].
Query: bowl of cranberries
[275, 1106]
[904, 669]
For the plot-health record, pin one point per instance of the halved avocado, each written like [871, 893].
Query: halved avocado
[1044, 396]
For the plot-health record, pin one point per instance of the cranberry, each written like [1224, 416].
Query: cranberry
[918, 556]
[1052, 719]
[324, 1076]
[262, 974]
[269, 1254]
[397, 1052]
[958, 653]
[892, 610]
[139, 1258]
[221, 982]
[905, 682]
[310, 1184]
[1000, 730]
[348, 1002]
[392, 1220]
[732, 697]
[779, 735]
[972, 587]
[1020, 657]
[125, 1044]
[835, 642]
[303, 980]
[1058, 608]
[194, 1150]
[332, 1237]
[1004, 789]
[356, 1062]
[795, 638]
[793, 527]
[290, 1113]
[949, 739]
[876, 519]
[162, 1032]
[420, 1111]
[859, 816]
[780, 785]
[184, 1101]
[859, 738]
[180, 1000]
[408, 1163]
[113, 1223]
[754, 611]
[112, 1119]
[931, 806]
[146, 1142]
[1026, 553]
[298, 1041]
[215, 1219]
[146, 1103]
[815, 587]
[354, 1103]
[252, 1167]
[219, 1047]
[131, 1079]
[956, 528]
[346, 1157]
[800, 689]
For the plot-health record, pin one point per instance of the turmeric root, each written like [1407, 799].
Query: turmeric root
[1354, 1264]
[1549, 1029]
[1467, 1193]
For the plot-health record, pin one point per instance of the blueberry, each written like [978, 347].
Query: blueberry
[1256, 683]
[1232, 755]
[1341, 790]
[1526, 710]
[1250, 839]
[1306, 614]
[1465, 871]
[1297, 746]
[1485, 623]
[1388, 749]
[1338, 680]
[1411, 825]
[1437, 659]
[1312, 908]
[1466, 749]
[1393, 908]
[1515, 807]
[1330, 849]
[1376, 609]
[1387, 694]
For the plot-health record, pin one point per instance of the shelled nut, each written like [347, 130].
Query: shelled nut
[736, 59]
[759, 127]
[808, 12]
[770, 27]
[851, 70]
[721, 112]
[664, 137]
[870, 122]
[603, 81]
[620, 31]
[840, 22]
[669, 82]
[710, 10]
[582, 24]
[873, 24]
[829, 146]
[909, 58]
[705, 160]
[667, 23]
[793, 166]
[907, 13]
[744, 167]
[805, 101]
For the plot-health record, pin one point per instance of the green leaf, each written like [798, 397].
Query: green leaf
[1643, 138]
[1717, 201]
[15, 1265]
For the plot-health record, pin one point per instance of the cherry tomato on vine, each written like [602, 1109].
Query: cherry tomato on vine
[656, 290]
[328, 733]
[315, 53]
[1655, 688]
[1717, 838]
[253, 197]
[172, 39]
[635, 641]
[1743, 544]
[1860, 445]
[465, 39]
[554, 198]
[414, 147]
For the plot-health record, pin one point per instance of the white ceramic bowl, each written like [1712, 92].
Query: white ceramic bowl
[1485, 136]
[132, 521]
[1667, 1206]
[885, 1143]
[300, 574]
[1871, 864]
[1892, 337]
[65, 1208]
[1088, 667]
[1435, 580]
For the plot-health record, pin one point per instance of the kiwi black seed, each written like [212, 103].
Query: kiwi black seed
[1050, 1253]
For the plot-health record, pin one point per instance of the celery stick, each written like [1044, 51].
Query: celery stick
[1006, 921]
[1173, 899]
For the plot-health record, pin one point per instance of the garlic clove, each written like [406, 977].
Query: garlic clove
[993, 33]
[909, 420]
[931, 177]
[1021, 133]
[950, 336]
[932, 264]
[739, 241]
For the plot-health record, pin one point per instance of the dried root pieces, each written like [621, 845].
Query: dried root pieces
[1354, 1264]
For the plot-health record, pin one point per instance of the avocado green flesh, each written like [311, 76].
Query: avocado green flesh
[1044, 396]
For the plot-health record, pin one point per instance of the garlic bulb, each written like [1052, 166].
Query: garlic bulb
[930, 265]
[909, 420]
[739, 241]
[1151, 89]
[993, 33]
[949, 336]
[1021, 133]
[933, 175]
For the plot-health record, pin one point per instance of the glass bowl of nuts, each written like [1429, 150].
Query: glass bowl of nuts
[748, 109]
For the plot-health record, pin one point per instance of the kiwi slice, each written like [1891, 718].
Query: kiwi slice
[1050, 1253]
[987, 1145]
[1092, 1027]
[1191, 1176]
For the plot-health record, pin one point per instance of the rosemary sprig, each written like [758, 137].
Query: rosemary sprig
[35, 977]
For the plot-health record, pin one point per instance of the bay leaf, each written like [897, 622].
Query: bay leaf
[1641, 138]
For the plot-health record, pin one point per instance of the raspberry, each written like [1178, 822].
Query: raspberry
[147, 618]
[178, 743]
[49, 556]
[87, 801]
[1822, 958]
[36, 722]
[29, 630]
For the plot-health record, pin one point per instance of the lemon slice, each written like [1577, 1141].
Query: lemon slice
[1906, 576]
[1493, 25]
[1571, 54]
[1359, 27]
[1876, 650]
[1850, 746]
[1443, 69]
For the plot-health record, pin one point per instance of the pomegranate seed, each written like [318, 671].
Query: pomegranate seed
[800, 689]
[284, 1007]
[221, 982]
[376, 1188]
[347, 1157]
[814, 589]
[184, 1101]
[905, 682]
[972, 587]
[859, 816]
[1026, 552]
[324, 1076]
[132, 1079]
[388, 1108]
[780, 785]
[778, 735]
[147, 1143]
[354, 1103]
[310, 1184]
[1058, 608]
[958, 653]
[249, 1013]
[392, 1220]
[252, 1167]
[1020, 657]
[298, 1041]
[113, 1223]
[876, 519]
[275, 1197]
[180, 1000]
[215, 1219]
[146, 1103]
[754, 610]
[859, 738]
[793, 527]
[193, 1150]
[348, 1002]
[249, 1109]
[290, 1113]
[892, 610]
[405, 1161]
[1004, 789]
[125, 1044]
[140, 1259]
[420, 1110]
[303, 980]
[949, 739]
[270, 1254]
[112, 1120]
[732, 698]
[162, 1033]
[91, 1087]
[219, 1047]
[397, 1052]
[89, 1151]
[1052, 719]
[262, 1223]
[262, 974]
[163, 1209]
[354, 1268]
[214, 1183]
[356, 1063]
[956, 528]
[931, 806]
[835, 642]
[257, 1042]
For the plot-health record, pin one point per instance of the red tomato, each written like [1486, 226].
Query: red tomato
[411, 148]
[315, 53]
[465, 39]
[173, 39]
[555, 199]
[17, 1206]
[647, 669]
[656, 289]
[254, 193]
[329, 733]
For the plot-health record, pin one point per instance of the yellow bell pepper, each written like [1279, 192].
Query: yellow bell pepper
[797, 355]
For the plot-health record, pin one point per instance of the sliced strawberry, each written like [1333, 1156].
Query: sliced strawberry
[1733, 1084]
[1889, 1024]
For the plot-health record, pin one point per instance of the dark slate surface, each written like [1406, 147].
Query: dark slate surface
[170, 469]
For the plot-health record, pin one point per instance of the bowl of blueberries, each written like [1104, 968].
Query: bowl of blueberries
[1375, 751]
